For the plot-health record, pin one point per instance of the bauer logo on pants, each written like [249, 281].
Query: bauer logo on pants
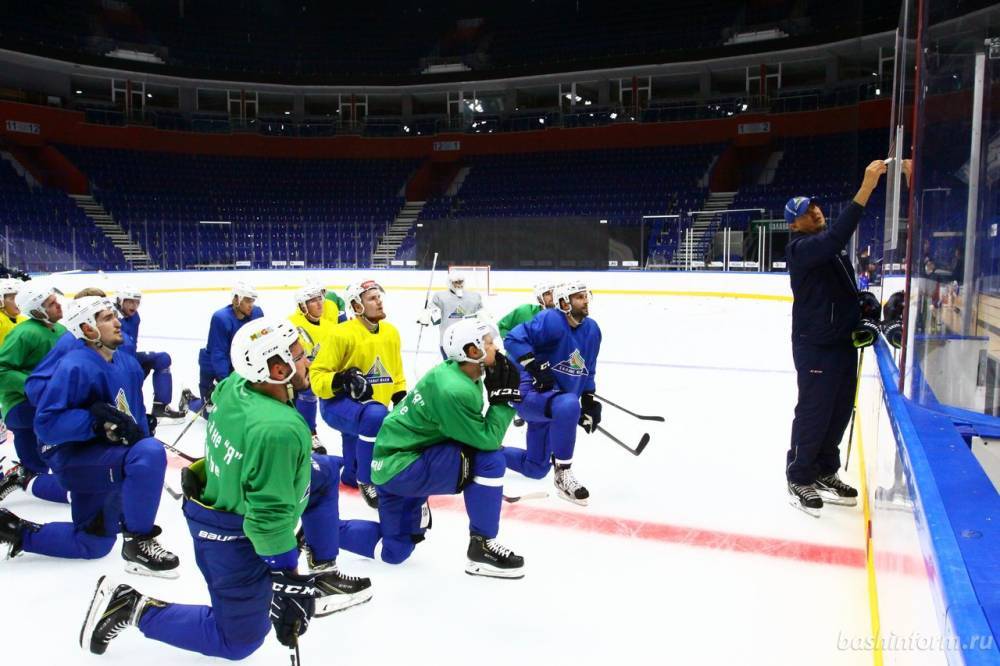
[574, 365]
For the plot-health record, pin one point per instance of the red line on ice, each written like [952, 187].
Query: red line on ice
[787, 549]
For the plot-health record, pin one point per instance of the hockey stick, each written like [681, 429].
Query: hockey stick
[526, 496]
[427, 299]
[636, 451]
[641, 417]
[854, 410]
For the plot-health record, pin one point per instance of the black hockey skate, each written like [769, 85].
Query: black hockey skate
[144, 555]
[368, 494]
[17, 477]
[187, 396]
[489, 558]
[518, 422]
[805, 498]
[113, 608]
[834, 491]
[12, 534]
[162, 411]
[568, 487]
[340, 591]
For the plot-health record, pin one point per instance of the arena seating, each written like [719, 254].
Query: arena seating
[618, 185]
[200, 210]
[44, 230]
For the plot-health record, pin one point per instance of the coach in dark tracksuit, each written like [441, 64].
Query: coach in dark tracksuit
[824, 314]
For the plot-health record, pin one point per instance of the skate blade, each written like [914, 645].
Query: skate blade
[334, 603]
[139, 570]
[833, 498]
[101, 593]
[794, 501]
[569, 498]
[481, 569]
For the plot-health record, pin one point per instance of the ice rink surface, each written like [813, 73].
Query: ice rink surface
[688, 554]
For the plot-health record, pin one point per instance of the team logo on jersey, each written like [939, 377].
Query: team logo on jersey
[121, 403]
[377, 374]
[574, 365]
[459, 313]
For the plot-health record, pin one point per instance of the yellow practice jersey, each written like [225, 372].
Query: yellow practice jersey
[7, 324]
[351, 345]
[311, 334]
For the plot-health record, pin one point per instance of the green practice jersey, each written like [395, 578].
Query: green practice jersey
[23, 348]
[257, 464]
[444, 406]
[518, 315]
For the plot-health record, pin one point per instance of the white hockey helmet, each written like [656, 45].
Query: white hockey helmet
[563, 291]
[258, 341]
[31, 297]
[9, 286]
[307, 292]
[84, 310]
[243, 290]
[470, 331]
[313, 282]
[453, 277]
[542, 288]
[128, 293]
[356, 290]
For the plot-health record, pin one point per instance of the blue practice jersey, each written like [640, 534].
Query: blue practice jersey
[571, 352]
[40, 376]
[83, 378]
[130, 327]
[130, 331]
[215, 355]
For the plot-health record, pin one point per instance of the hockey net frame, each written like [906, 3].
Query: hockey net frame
[477, 278]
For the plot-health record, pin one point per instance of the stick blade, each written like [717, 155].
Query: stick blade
[642, 444]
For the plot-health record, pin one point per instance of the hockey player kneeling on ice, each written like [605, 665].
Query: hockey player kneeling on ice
[213, 358]
[95, 433]
[242, 503]
[437, 442]
[557, 351]
[449, 307]
[527, 311]
[825, 314]
[358, 375]
[128, 300]
[310, 320]
[24, 348]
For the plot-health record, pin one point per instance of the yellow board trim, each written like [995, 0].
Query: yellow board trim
[869, 554]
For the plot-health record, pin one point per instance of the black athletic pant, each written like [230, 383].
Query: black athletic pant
[827, 377]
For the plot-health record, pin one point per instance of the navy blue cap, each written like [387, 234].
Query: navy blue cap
[796, 206]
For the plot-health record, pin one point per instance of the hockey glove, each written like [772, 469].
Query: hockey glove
[502, 382]
[892, 320]
[590, 413]
[292, 605]
[115, 425]
[353, 383]
[541, 374]
[426, 318]
[865, 334]
[893, 331]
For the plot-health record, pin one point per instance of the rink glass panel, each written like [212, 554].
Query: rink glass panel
[952, 354]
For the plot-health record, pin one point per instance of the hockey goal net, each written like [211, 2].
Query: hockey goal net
[477, 278]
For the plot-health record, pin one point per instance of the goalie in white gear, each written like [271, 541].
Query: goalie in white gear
[449, 307]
